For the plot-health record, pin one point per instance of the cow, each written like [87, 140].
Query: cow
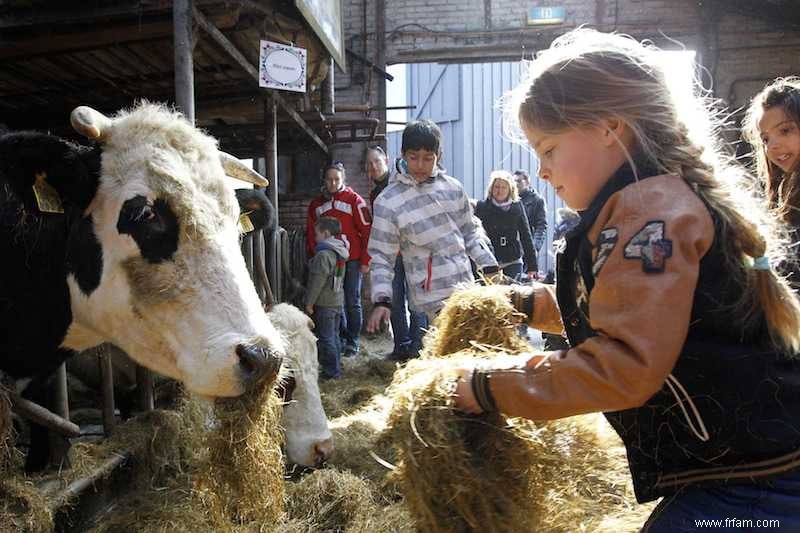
[308, 438]
[134, 241]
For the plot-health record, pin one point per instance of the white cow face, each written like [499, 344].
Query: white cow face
[161, 274]
[308, 438]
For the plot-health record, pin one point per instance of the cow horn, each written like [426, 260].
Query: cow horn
[236, 169]
[90, 123]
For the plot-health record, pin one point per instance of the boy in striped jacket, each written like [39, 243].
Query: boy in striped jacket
[425, 215]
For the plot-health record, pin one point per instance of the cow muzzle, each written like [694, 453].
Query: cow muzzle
[258, 364]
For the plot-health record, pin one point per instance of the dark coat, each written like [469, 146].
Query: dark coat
[536, 211]
[509, 232]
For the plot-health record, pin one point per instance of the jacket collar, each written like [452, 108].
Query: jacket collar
[409, 180]
[623, 177]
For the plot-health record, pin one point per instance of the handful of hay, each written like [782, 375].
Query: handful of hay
[460, 472]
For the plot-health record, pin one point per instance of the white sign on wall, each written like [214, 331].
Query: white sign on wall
[282, 67]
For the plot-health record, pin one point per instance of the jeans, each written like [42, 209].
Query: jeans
[351, 318]
[513, 271]
[407, 337]
[327, 321]
[774, 506]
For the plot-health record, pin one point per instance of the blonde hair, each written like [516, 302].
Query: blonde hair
[586, 77]
[503, 175]
[782, 188]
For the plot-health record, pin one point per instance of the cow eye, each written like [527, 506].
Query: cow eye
[154, 226]
[146, 214]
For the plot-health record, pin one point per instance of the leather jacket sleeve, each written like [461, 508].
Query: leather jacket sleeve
[641, 317]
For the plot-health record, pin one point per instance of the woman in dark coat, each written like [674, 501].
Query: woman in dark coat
[506, 224]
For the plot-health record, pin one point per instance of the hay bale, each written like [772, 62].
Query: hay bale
[459, 472]
[478, 318]
[329, 500]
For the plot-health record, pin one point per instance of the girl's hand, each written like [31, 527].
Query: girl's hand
[463, 398]
[380, 314]
[309, 309]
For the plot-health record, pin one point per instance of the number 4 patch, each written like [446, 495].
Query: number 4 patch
[650, 246]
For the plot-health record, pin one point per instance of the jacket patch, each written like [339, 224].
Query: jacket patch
[605, 245]
[649, 245]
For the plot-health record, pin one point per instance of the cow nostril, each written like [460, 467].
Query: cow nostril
[257, 363]
[323, 450]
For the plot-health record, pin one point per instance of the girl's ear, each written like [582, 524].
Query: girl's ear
[615, 131]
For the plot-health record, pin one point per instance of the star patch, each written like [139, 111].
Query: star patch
[606, 242]
[649, 245]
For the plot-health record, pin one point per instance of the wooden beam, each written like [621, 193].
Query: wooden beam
[248, 67]
[76, 15]
[59, 43]
[42, 416]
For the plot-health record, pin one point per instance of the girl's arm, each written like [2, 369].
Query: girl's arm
[640, 309]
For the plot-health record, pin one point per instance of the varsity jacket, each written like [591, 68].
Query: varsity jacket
[644, 297]
[431, 224]
[353, 214]
[536, 212]
[509, 232]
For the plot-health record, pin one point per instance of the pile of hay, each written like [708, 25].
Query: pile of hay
[226, 471]
[460, 472]
[329, 500]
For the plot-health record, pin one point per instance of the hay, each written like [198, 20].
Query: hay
[463, 473]
[241, 477]
[478, 318]
[329, 500]
[22, 508]
[225, 472]
[458, 472]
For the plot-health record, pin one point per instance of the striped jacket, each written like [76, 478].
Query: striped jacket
[431, 224]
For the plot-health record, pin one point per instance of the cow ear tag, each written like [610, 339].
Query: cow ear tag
[47, 198]
[245, 224]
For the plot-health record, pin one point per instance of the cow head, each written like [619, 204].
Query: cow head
[308, 438]
[154, 263]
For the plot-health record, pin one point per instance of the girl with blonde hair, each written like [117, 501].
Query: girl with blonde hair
[504, 219]
[681, 331]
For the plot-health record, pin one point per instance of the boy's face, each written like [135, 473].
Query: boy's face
[420, 163]
[781, 137]
[321, 235]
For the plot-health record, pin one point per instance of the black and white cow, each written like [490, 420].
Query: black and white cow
[145, 255]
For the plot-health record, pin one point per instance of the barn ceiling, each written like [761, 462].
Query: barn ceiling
[55, 56]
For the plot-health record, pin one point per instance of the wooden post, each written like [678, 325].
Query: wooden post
[380, 59]
[59, 443]
[144, 384]
[184, 65]
[107, 380]
[271, 163]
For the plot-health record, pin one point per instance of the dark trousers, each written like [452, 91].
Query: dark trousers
[407, 333]
[352, 318]
[327, 321]
[771, 507]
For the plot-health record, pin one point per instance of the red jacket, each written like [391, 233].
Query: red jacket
[353, 214]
